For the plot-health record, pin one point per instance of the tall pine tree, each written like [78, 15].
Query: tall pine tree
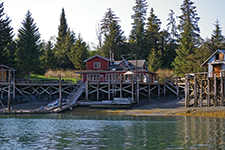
[217, 37]
[6, 35]
[152, 36]
[189, 30]
[28, 47]
[113, 35]
[62, 33]
[79, 52]
[137, 33]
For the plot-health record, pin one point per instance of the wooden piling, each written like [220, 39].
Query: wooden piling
[195, 91]
[222, 90]
[149, 91]
[97, 90]
[186, 91]
[86, 90]
[9, 90]
[60, 92]
[201, 91]
[208, 92]
[137, 90]
[215, 91]
[121, 86]
[109, 90]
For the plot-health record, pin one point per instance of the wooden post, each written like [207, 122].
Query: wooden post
[164, 87]
[60, 92]
[177, 86]
[50, 92]
[149, 91]
[1, 91]
[222, 90]
[14, 87]
[9, 88]
[121, 91]
[86, 90]
[201, 91]
[158, 90]
[109, 90]
[186, 91]
[208, 92]
[97, 90]
[215, 91]
[137, 92]
[195, 92]
[132, 90]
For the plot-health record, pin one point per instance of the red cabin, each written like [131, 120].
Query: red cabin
[102, 69]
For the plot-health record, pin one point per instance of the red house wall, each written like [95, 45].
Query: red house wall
[90, 63]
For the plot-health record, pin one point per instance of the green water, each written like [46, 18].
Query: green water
[80, 132]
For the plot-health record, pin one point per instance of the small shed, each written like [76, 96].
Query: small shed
[215, 63]
[4, 73]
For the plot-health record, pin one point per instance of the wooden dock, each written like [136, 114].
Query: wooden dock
[204, 91]
[96, 92]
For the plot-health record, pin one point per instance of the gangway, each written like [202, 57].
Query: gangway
[71, 102]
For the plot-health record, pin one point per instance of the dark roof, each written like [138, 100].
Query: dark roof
[6, 67]
[114, 71]
[205, 62]
[97, 56]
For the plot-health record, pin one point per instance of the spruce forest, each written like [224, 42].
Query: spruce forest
[179, 47]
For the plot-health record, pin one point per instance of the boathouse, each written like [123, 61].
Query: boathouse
[5, 72]
[103, 69]
[207, 88]
[215, 63]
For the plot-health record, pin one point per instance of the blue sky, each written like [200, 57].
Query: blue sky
[83, 15]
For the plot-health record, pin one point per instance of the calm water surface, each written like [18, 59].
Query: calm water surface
[80, 132]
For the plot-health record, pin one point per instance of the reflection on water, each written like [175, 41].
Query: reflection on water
[66, 131]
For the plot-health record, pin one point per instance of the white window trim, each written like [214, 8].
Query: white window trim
[98, 65]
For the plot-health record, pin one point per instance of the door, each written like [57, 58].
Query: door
[216, 70]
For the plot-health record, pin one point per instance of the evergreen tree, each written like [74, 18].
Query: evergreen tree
[67, 45]
[137, 33]
[188, 41]
[79, 52]
[153, 61]
[50, 60]
[152, 34]
[114, 38]
[171, 26]
[6, 35]
[28, 47]
[62, 32]
[217, 37]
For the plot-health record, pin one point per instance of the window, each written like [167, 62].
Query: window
[93, 77]
[217, 56]
[97, 65]
[112, 77]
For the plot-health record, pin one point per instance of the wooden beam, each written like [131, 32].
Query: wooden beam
[208, 92]
[215, 91]
[9, 98]
[97, 90]
[186, 91]
[86, 90]
[109, 90]
[149, 91]
[195, 92]
[201, 92]
[222, 90]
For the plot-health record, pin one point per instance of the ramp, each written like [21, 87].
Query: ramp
[73, 97]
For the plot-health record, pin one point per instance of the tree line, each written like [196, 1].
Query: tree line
[178, 47]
